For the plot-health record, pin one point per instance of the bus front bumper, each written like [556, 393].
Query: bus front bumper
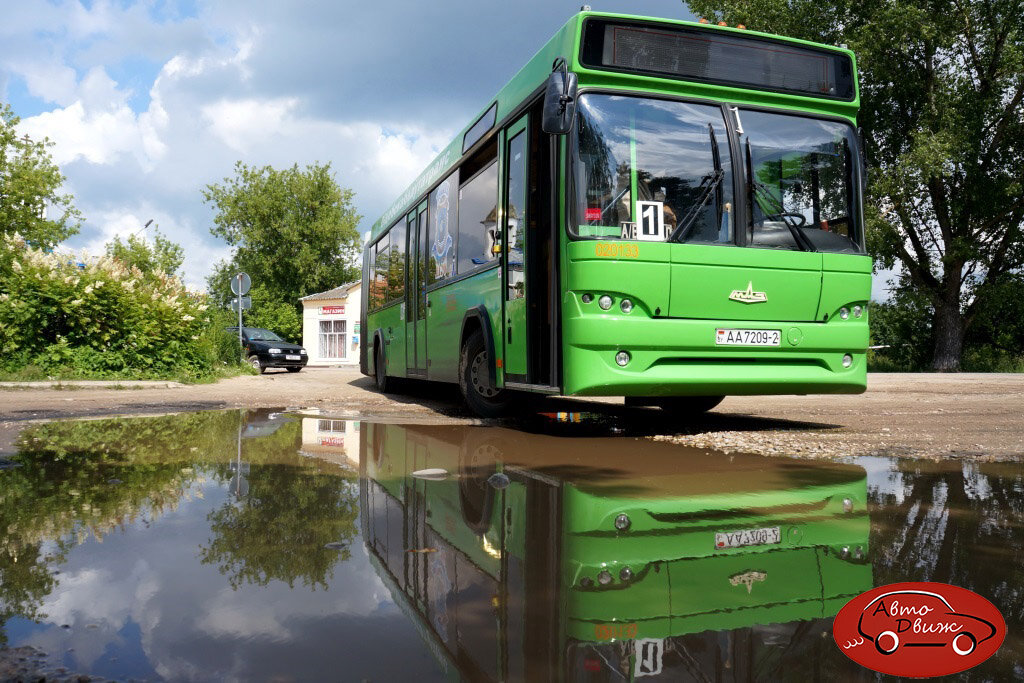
[677, 357]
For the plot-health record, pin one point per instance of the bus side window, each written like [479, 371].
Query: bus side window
[371, 257]
[478, 212]
[380, 280]
[396, 265]
[444, 208]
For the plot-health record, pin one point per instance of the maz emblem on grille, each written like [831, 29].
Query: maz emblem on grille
[748, 296]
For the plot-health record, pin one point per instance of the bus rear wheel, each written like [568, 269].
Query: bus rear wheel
[385, 384]
[482, 397]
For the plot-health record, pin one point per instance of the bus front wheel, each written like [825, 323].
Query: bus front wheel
[683, 405]
[482, 397]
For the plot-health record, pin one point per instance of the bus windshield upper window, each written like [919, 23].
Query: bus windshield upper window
[652, 169]
[801, 180]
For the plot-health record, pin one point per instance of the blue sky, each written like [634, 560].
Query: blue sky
[148, 102]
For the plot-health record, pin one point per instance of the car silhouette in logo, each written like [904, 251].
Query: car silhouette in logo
[913, 618]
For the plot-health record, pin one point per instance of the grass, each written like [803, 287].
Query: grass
[34, 373]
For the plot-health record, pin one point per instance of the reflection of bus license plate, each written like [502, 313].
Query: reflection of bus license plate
[747, 337]
[744, 537]
[289, 357]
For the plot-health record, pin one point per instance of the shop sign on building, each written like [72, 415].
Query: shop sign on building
[332, 310]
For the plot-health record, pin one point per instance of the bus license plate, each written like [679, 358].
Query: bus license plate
[745, 537]
[726, 337]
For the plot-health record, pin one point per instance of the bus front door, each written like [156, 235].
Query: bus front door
[416, 309]
[514, 243]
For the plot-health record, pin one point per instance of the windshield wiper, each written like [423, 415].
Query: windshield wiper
[761, 193]
[682, 230]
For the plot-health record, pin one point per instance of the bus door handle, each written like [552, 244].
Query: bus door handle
[509, 329]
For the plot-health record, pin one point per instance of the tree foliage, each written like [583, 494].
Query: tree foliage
[942, 88]
[293, 230]
[162, 256]
[30, 201]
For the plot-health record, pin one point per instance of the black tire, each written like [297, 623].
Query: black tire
[255, 362]
[687, 405]
[294, 369]
[385, 384]
[474, 380]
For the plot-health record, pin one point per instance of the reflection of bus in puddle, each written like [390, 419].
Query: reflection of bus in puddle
[528, 557]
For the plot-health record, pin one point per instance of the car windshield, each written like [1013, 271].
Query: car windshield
[259, 334]
[652, 170]
[801, 180]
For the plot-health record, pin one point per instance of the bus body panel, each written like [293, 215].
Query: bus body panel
[445, 315]
[705, 278]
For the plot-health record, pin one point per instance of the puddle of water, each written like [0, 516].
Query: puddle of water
[258, 545]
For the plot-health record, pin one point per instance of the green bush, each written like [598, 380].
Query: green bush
[97, 317]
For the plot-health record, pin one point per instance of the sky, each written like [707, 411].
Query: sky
[149, 102]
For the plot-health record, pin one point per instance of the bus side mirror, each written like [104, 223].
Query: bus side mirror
[559, 103]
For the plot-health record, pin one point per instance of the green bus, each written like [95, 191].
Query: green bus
[516, 561]
[662, 210]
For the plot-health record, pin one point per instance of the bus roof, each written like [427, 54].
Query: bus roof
[565, 44]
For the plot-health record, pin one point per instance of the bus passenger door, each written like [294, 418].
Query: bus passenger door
[514, 242]
[416, 309]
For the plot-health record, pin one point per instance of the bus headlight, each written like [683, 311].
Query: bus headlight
[622, 358]
[847, 360]
[626, 305]
[858, 311]
[587, 298]
[844, 312]
[605, 302]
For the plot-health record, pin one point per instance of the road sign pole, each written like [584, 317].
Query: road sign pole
[241, 345]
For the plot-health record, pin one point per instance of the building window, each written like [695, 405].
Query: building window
[332, 339]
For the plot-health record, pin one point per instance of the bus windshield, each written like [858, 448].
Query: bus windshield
[670, 157]
[659, 170]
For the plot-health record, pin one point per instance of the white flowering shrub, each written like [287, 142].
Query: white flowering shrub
[94, 316]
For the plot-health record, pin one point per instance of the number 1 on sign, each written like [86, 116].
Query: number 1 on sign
[651, 226]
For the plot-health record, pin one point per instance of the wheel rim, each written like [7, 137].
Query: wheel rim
[478, 377]
[255, 362]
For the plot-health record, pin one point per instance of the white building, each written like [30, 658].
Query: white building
[330, 325]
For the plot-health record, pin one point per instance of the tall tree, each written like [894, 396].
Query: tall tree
[294, 231]
[162, 255]
[942, 88]
[30, 200]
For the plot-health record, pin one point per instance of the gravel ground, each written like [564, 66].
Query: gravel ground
[916, 415]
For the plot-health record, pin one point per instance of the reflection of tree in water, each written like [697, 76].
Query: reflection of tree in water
[962, 524]
[87, 478]
[293, 507]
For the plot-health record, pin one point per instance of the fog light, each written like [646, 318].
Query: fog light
[626, 305]
[626, 574]
[587, 298]
[858, 311]
[605, 302]
[847, 360]
[847, 505]
[622, 522]
[622, 357]
[604, 578]
[844, 312]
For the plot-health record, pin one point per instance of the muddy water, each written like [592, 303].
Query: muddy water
[264, 546]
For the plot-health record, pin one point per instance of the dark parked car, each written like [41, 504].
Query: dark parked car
[264, 349]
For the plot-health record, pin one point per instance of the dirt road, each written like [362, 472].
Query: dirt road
[974, 415]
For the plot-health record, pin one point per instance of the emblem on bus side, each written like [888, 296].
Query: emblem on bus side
[748, 296]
